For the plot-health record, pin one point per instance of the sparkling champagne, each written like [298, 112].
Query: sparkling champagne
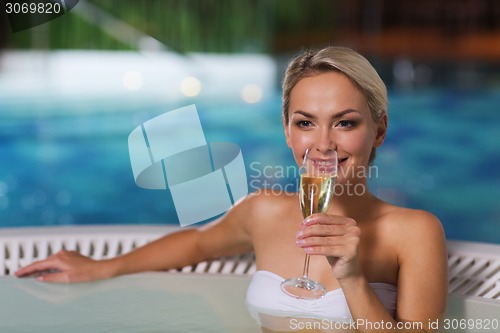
[317, 187]
[316, 193]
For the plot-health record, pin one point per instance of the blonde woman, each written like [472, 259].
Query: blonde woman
[381, 264]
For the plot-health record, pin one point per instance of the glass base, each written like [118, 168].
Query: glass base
[303, 288]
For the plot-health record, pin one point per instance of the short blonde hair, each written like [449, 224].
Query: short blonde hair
[343, 60]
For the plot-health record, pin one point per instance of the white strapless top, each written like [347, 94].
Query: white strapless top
[264, 295]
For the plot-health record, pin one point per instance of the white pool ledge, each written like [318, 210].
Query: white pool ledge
[474, 268]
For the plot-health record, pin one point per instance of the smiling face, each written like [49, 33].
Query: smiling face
[328, 112]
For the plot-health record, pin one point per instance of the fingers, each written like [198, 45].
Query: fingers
[48, 267]
[323, 218]
[335, 237]
[324, 225]
[345, 250]
[329, 235]
[37, 267]
[329, 245]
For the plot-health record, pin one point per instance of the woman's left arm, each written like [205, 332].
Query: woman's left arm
[422, 276]
[423, 270]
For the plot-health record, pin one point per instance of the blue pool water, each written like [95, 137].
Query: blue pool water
[66, 162]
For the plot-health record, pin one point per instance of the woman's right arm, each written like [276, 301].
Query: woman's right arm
[226, 236]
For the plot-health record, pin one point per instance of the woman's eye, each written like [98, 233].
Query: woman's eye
[346, 123]
[303, 123]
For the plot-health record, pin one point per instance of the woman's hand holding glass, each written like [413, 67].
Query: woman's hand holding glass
[335, 237]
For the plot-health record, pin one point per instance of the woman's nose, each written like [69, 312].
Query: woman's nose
[325, 142]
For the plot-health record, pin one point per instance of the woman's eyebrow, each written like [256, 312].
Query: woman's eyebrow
[304, 113]
[335, 116]
[343, 113]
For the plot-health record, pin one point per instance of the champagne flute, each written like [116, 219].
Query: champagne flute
[318, 174]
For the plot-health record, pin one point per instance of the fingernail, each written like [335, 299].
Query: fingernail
[308, 221]
[298, 234]
[308, 249]
[300, 242]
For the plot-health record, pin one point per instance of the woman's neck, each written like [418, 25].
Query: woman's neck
[353, 200]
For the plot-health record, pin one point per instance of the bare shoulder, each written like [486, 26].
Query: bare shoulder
[413, 228]
[414, 222]
[257, 208]
[235, 231]
[265, 204]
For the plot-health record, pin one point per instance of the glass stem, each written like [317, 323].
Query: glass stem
[305, 271]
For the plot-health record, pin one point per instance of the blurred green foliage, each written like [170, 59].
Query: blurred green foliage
[186, 25]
